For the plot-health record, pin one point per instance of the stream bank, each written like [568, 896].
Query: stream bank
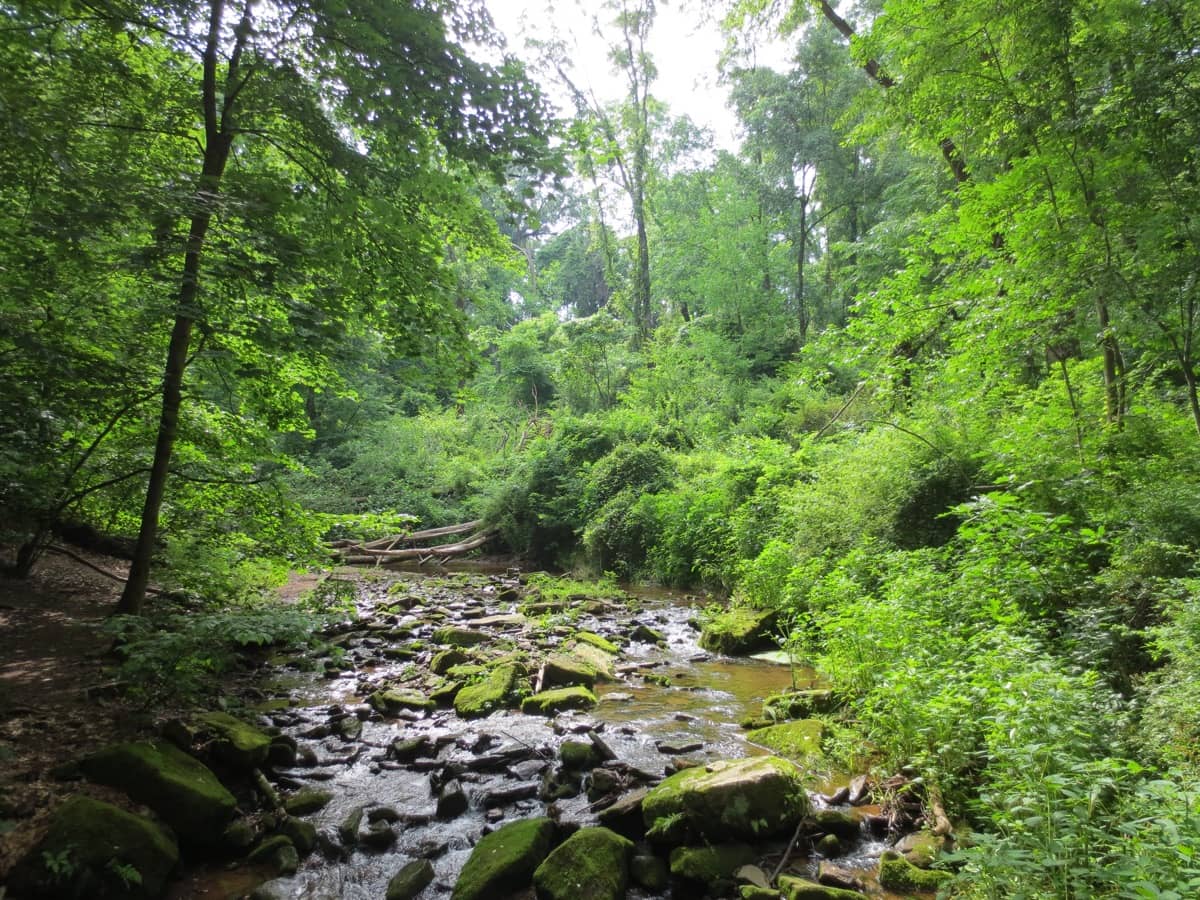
[399, 743]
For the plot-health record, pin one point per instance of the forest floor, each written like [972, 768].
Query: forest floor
[52, 704]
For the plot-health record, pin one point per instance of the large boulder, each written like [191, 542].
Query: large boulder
[491, 693]
[727, 800]
[180, 789]
[592, 864]
[739, 629]
[505, 860]
[235, 743]
[95, 849]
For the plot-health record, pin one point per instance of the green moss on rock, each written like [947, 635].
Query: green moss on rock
[803, 889]
[183, 791]
[739, 629]
[729, 800]
[395, 700]
[897, 874]
[237, 744]
[592, 864]
[602, 661]
[795, 740]
[798, 704]
[564, 671]
[410, 880]
[459, 637]
[600, 643]
[505, 860]
[307, 801]
[492, 693]
[101, 851]
[711, 863]
[547, 703]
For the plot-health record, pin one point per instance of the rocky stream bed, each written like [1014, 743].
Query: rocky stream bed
[484, 735]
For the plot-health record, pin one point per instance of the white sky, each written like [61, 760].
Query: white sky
[685, 44]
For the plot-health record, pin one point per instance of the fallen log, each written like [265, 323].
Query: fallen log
[366, 554]
[389, 542]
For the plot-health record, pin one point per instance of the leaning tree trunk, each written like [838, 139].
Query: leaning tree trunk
[218, 142]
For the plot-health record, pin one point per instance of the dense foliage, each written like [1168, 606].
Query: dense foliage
[916, 365]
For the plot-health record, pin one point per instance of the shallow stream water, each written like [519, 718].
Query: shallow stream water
[689, 706]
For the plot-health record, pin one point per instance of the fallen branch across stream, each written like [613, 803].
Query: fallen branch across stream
[385, 549]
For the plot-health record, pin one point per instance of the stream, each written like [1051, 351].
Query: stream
[667, 701]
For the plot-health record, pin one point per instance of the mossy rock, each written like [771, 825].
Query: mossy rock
[897, 874]
[96, 850]
[410, 880]
[803, 889]
[592, 864]
[836, 822]
[602, 661]
[183, 791]
[715, 862]
[564, 671]
[277, 852]
[446, 660]
[307, 801]
[921, 848]
[579, 754]
[650, 872]
[739, 630]
[728, 800]
[796, 740]
[754, 892]
[492, 693]
[459, 637]
[547, 703]
[505, 860]
[798, 704]
[393, 701]
[595, 640]
[303, 835]
[237, 744]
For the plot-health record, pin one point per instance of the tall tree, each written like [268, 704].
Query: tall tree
[359, 114]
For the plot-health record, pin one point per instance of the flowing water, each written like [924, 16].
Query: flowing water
[671, 699]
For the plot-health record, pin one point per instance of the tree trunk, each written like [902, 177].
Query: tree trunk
[218, 142]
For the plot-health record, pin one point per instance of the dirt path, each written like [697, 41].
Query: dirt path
[51, 649]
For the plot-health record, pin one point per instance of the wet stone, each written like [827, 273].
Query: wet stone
[677, 748]
[348, 829]
[410, 880]
[452, 801]
[838, 876]
[379, 836]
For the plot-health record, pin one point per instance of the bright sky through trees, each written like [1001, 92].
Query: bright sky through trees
[686, 44]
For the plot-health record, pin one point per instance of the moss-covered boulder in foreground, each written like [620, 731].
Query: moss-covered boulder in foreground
[803, 889]
[795, 740]
[183, 791]
[897, 874]
[728, 800]
[739, 629]
[96, 850]
[592, 864]
[491, 693]
[547, 703]
[237, 744]
[711, 863]
[505, 860]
